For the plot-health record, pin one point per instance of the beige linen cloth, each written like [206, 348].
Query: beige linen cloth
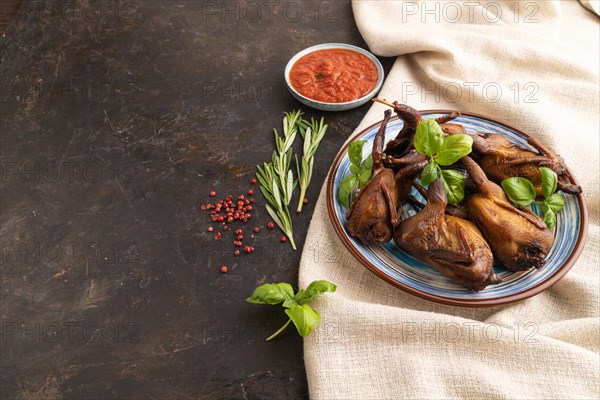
[537, 70]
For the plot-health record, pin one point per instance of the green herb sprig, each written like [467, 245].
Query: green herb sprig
[522, 193]
[443, 151]
[360, 172]
[299, 312]
[312, 133]
[276, 179]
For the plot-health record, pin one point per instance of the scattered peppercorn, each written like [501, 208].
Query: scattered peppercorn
[231, 209]
[305, 201]
[253, 181]
[283, 239]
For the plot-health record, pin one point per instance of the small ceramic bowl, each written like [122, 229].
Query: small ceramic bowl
[321, 105]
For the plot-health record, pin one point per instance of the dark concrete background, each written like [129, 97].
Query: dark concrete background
[7, 11]
[118, 118]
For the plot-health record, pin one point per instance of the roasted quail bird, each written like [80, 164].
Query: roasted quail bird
[403, 141]
[519, 239]
[502, 159]
[409, 168]
[400, 152]
[373, 215]
[451, 245]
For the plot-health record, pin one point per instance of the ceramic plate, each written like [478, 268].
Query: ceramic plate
[413, 276]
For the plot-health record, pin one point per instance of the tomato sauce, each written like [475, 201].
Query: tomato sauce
[333, 75]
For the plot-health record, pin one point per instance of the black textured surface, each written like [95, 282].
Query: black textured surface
[118, 118]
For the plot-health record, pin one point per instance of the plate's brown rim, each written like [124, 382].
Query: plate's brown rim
[550, 281]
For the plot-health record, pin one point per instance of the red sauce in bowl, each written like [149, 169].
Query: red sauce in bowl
[333, 75]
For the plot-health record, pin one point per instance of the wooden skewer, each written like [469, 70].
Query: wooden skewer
[383, 101]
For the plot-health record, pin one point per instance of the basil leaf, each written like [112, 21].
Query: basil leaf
[429, 137]
[355, 152]
[454, 184]
[364, 177]
[346, 186]
[355, 170]
[304, 317]
[554, 203]
[549, 181]
[550, 219]
[367, 164]
[519, 190]
[313, 290]
[271, 293]
[430, 172]
[289, 303]
[454, 148]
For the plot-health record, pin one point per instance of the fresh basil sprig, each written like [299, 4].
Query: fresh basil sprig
[301, 314]
[522, 193]
[360, 172]
[443, 151]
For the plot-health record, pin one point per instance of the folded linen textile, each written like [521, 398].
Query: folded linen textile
[535, 66]
[592, 5]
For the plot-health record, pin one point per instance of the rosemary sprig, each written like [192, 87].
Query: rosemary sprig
[312, 133]
[276, 179]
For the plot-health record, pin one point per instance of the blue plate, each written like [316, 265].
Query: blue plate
[416, 277]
